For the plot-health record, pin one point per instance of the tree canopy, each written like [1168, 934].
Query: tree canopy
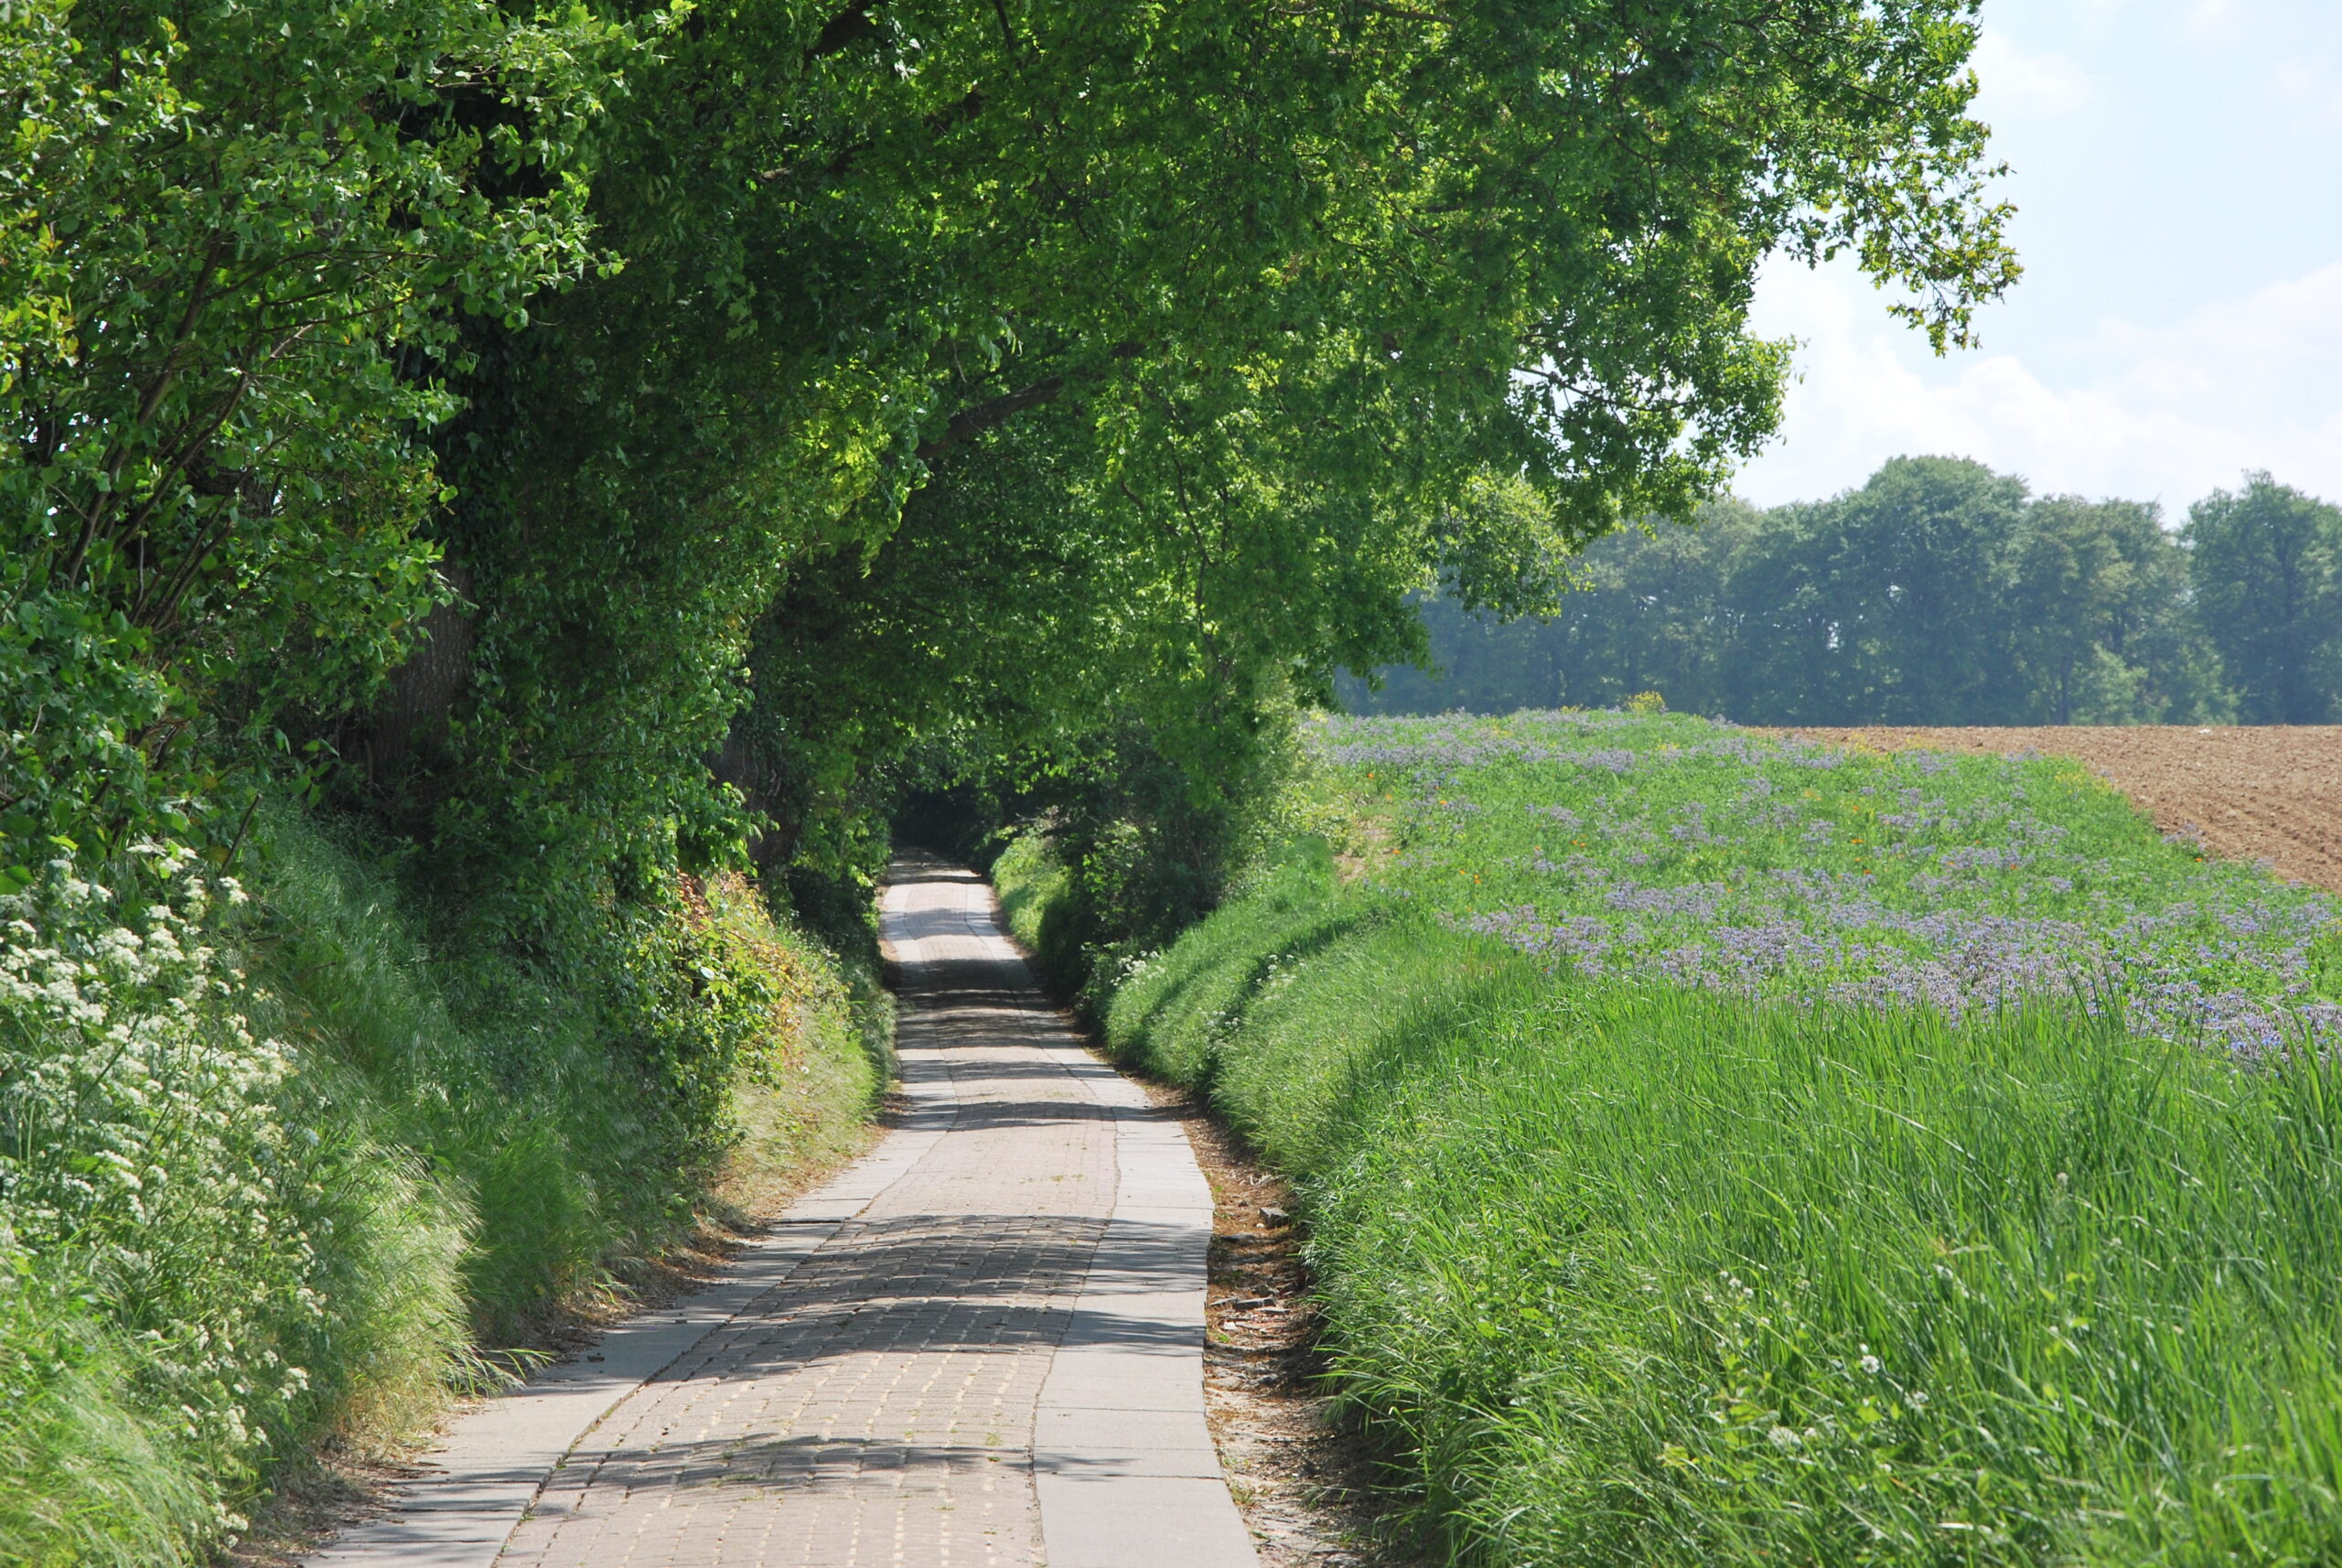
[2267, 563]
[1077, 369]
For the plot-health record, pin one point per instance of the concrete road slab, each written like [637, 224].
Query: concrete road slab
[1124, 1521]
[982, 1343]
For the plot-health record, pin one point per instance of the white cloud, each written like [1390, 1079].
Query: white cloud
[2310, 92]
[2013, 80]
[2210, 21]
[2162, 412]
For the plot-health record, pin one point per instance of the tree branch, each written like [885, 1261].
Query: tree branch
[841, 31]
[984, 415]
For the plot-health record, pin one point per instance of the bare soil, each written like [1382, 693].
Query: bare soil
[2266, 792]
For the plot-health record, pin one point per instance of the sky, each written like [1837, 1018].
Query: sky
[2176, 167]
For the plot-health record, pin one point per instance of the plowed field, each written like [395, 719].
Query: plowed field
[2254, 793]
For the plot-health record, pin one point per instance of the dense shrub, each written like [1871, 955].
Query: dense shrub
[151, 1164]
[1120, 854]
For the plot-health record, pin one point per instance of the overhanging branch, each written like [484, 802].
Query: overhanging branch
[984, 415]
[841, 31]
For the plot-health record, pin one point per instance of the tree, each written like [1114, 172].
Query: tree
[1644, 611]
[2104, 631]
[1311, 303]
[1883, 605]
[2266, 562]
[592, 331]
[238, 259]
[1936, 593]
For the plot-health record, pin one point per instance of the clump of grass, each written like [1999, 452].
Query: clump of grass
[805, 1106]
[1626, 1269]
[1655, 1278]
[83, 1477]
[1031, 885]
[1042, 907]
[540, 1128]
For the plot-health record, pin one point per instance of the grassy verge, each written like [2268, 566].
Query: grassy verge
[1635, 1252]
[277, 1178]
[1035, 898]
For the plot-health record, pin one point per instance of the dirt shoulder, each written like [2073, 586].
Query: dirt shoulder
[1301, 1478]
[2270, 792]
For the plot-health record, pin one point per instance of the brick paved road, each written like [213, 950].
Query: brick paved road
[979, 1347]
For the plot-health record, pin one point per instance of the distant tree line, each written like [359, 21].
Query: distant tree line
[1939, 592]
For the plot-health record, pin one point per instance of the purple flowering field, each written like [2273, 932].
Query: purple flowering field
[1669, 849]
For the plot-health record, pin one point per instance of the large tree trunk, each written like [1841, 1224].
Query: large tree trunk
[424, 689]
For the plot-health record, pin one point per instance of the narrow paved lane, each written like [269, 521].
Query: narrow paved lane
[979, 1346]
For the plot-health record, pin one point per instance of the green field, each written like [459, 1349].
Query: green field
[1719, 1150]
[1673, 848]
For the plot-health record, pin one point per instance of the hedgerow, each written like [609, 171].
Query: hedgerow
[275, 1175]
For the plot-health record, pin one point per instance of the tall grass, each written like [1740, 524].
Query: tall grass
[1625, 1271]
[84, 1475]
[1034, 900]
[457, 1151]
